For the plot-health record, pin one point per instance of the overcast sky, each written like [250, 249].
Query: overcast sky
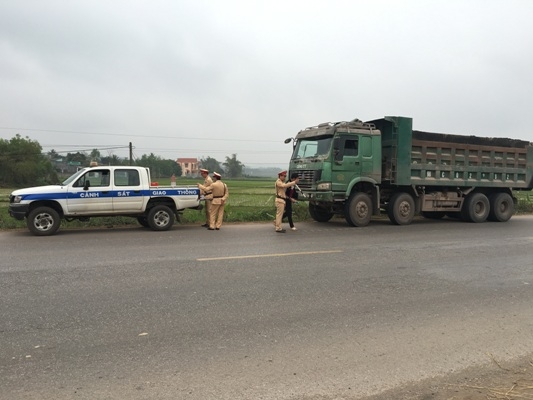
[213, 78]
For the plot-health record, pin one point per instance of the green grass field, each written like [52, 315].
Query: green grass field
[250, 200]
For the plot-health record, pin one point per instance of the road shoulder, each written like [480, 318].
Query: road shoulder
[512, 380]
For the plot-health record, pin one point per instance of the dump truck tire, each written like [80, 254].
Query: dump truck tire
[358, 209]
[475, 208]
[501, 207]
[401, 210]
[319, 214]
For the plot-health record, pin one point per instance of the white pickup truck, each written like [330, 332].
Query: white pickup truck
[100, 192]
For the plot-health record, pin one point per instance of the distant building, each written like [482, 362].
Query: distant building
[189, 166]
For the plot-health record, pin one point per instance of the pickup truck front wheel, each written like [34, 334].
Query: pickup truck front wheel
[160, 218]
[143, 221]
[43, 221]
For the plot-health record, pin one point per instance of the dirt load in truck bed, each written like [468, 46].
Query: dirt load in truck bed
[482, 141]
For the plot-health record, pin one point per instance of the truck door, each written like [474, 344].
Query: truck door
[347, 161]
[367, 157]
[91, 193]
[127, 187]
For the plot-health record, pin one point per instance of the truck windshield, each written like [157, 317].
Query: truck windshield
[317, 147]
[73, 177]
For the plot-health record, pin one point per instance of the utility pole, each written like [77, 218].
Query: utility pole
[131, 154]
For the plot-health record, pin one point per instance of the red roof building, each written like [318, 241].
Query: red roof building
[189, 166]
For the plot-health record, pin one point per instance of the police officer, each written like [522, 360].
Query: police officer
[220, 195]
[208, 195]
[281, 197]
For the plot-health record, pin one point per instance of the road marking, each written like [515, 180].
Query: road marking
[300, 253]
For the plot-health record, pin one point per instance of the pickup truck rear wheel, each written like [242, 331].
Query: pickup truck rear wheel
[160, 218]
[43, 221]
[358, 209]
[401, 210]
[501, 207]
[475, 208]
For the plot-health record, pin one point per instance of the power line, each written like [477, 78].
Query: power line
[139, 136]
[166, 150]
[83, 148]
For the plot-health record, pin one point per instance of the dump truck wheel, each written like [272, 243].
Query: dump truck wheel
[160, 218]
[43, 221]
[501, 207]
[401, 210]
[319, 214]
[475, 208]
[358, 209]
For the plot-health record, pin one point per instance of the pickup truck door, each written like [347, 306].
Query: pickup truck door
[90, 194]
[127, 189]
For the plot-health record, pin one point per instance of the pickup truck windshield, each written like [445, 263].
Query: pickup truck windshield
[73, 177]
[312, 147]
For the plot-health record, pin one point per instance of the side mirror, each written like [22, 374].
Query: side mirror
[288, 140]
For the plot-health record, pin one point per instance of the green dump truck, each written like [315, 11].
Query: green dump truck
[358, 169]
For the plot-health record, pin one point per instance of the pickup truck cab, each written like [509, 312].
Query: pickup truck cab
[102, 191]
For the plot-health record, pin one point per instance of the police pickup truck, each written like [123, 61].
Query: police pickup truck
[102, 191]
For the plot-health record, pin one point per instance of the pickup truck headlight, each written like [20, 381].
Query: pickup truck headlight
[324, 186]
[17, 199]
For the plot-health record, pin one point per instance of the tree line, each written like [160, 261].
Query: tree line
[23, 163]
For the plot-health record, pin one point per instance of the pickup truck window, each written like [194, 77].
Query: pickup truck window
[97, 178]
[127, 177]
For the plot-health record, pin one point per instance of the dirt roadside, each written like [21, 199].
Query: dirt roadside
[494, 381]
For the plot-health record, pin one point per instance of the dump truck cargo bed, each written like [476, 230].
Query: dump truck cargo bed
[436, 159]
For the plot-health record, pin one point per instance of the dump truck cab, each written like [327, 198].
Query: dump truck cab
[332, 160]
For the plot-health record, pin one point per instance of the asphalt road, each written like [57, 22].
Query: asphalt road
[326, 312]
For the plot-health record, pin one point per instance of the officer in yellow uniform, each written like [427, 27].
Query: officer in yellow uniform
[220, 195]
[281, 197]
[208, 195]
